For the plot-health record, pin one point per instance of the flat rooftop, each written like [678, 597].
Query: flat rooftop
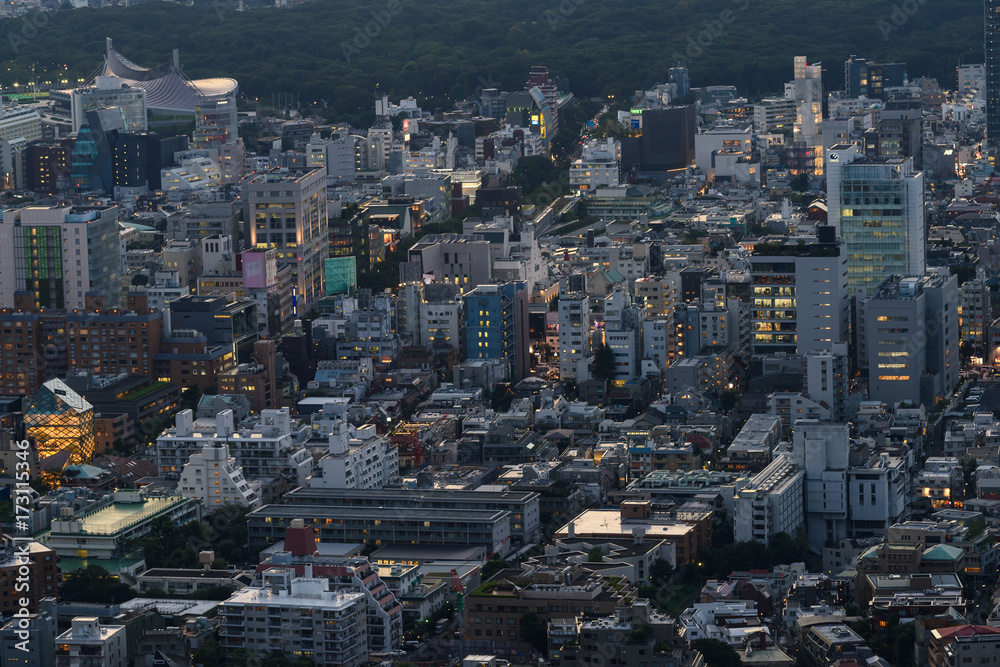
[119, 516]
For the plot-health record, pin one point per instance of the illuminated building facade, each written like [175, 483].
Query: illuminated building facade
[878, 207]
[60, 419]
[286, 210]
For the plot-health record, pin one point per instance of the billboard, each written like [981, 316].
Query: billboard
[260, 269]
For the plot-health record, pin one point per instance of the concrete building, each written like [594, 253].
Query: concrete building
[910, 339]
[821, 451]
[806, 90]
[574, 336]
[386, 525]
[287, 210]
[38, 648]
[622, 329]
[800, 296]
[264, 448]
[90, 642]
[597, 167]
[496, 325]
[523, 506]
[440, 323]
[357, 458]
[75, 253]
[774, 114]
[109, 91]
[302, 615]
[42, 579]
[301, 553]
[212, 477]
[963, 645]
[877, 492]
[975, 313]
[827, 379]
[462, 259]
[771, 503]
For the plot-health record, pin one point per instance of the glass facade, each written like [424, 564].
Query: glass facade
[881, 222]
[993, 72]
[59, 419]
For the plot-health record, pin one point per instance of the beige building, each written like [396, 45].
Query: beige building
[286, 209]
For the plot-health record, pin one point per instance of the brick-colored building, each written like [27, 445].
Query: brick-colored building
[42, 344]
[43, 581]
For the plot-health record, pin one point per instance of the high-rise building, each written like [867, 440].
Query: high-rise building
[496, 325]
[55, 341]
[807, 91]
[216, 122]
[863, 78]
[61, 255]
[286, 210]
[47, 166]
[622, 328]
[107, 92]
[993, 72]
[19, 126]
[821, 451]
[574, 335]
[304, 615]
[800, 296]
[212, 477]
[877, 207]
[910, 339]
[974, 313]
[827, 379]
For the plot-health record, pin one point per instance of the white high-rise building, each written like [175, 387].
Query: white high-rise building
[622, 326]
[264, 448]
[298, 616]
[598, 166]
[807, 92]
[212, 477]
[574, 334]
[109, 91]
[771, 503]
[827, 379]
[821, 451]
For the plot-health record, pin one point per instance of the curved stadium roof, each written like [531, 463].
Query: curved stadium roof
[166, 86]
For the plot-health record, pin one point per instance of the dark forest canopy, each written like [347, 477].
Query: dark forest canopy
[445, 50]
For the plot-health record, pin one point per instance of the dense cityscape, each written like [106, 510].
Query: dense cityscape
[690, 377]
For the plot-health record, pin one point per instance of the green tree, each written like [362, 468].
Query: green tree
[94, 584]
[209, 653]
[534, 631]
[492, 567]
[800, 183]
[717, 653]
[604, 364]
[596, 554]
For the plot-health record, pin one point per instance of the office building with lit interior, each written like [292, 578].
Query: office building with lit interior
[59, 419]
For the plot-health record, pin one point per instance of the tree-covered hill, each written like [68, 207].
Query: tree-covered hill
[440, 50]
